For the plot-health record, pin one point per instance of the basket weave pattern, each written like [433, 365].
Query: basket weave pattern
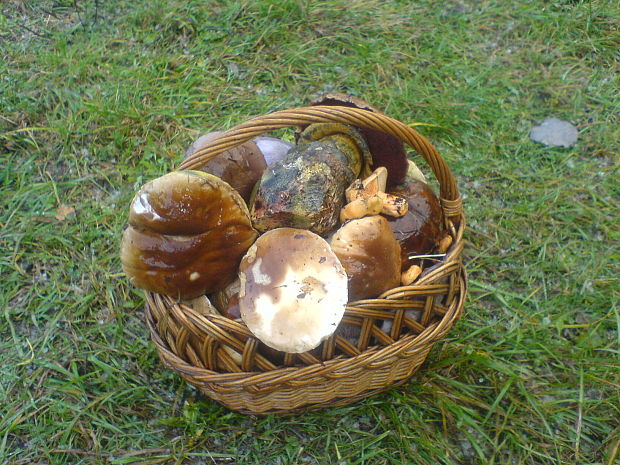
[223, 359]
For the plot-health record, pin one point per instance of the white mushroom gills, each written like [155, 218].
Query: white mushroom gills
[293, 290]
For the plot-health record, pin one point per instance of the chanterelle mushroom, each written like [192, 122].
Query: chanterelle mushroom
[368, 197]
[293, 289]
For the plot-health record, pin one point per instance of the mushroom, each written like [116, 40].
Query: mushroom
[305, 189]
[386, 150]
[393, 205]
[359, 208]
[413, 172]
[370, 254]
[373, 184]
[243, 165]
[444, 244]
[227, 300]
[368, 197]
[272, 148]
[187, 233]
[410, 275]
[346, 138]
[419, 230]
[293, 290]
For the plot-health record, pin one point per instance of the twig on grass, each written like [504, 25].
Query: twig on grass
[38, 34]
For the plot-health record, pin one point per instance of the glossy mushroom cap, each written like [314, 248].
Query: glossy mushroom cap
[420, 229]
[240, 166]
[187, 233]
[293, 290]
[370, 254]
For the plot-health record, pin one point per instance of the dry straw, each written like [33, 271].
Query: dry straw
[221, 357]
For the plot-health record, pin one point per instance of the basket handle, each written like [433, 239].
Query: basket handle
[449, 194]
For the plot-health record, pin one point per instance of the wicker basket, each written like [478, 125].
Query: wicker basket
[198, 346]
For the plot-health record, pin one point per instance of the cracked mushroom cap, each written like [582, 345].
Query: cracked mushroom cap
[187, 233]
[293, 290]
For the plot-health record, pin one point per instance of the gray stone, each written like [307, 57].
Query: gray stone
[554, 132]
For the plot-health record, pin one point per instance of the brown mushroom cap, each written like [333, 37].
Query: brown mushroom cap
[187, 233]
[370, 254]
[293, 290]
[240, 166]
[419, 230]
[226, 300]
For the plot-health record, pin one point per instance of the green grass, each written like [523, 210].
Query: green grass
[98, 97]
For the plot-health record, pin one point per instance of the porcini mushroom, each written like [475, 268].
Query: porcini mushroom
[293, 290]
[386, 150]
[187, 233]
[305, 189]
[346, 138]
[419, 230]
[370, 254]
[241, 166]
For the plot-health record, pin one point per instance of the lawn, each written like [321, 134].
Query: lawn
[97, 98]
